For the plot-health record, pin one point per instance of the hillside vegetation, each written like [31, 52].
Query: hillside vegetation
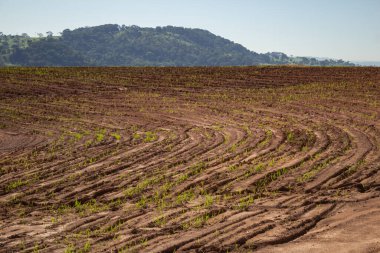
[114, 45]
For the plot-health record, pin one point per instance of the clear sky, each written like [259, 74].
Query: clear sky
[346, 29]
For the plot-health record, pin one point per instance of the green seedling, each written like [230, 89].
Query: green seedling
[150, 137]
[116, 136]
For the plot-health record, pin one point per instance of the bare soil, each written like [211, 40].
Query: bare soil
[263, 159]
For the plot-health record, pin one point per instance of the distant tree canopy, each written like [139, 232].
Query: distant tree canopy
[114, 45]
[47, 52]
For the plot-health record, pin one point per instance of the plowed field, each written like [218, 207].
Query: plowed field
[264, 159]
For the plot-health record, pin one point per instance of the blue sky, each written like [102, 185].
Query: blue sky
[346, 29]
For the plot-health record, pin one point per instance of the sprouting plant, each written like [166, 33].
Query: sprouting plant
[16, 184]
[271, 162]
[166, 187]
[184, 197]
[258, 168]
[86, 132]
[182, 178]
[232, 167]
[150, 136]
[77, 204]
[144, 241]
[116, 136]
[233, 148]
[217, 127]
[197, 168]
[185, 225]
[209, 201]
[245, 202]
[311, 173]
[69, 249]
[115, 227]
[200, 220]
[268, 137]
[160, 221]
[255, 169]
[248, 130]
[86, 247]
[136, 136]
[134, 190]
[290, 136]
[99, 137]
[77, 136]
[88, 207]
[36, 248]
[142, 202]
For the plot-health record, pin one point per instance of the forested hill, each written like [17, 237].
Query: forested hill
[114, 45]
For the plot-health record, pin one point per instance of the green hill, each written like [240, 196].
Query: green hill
[114, 45]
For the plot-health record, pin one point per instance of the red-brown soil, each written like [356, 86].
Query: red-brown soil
[265, 159]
